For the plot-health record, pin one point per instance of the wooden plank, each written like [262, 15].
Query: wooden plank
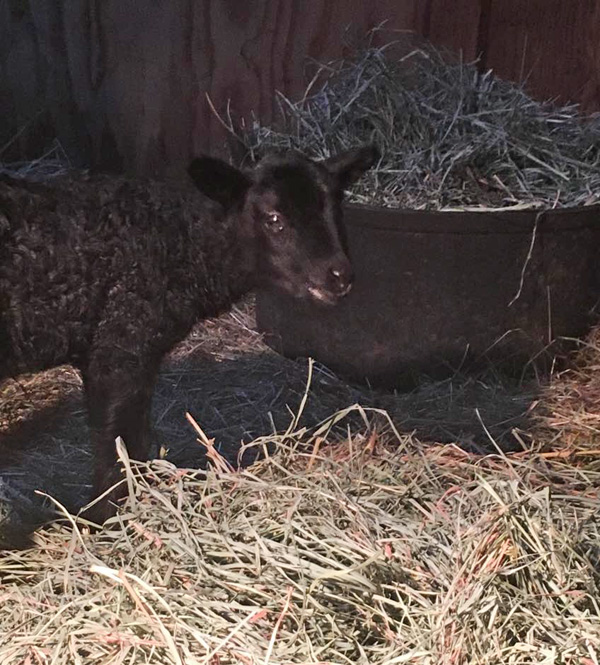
[122, 84]
[20, 83]
[551, 45]
[453, 25]
[237, 53]
[589, 96]
[259, 52]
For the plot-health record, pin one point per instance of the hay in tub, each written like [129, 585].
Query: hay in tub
[451, 136]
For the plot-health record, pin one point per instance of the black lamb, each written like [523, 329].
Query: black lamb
[108, 274]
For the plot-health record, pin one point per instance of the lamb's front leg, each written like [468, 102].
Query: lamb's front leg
[119, 397]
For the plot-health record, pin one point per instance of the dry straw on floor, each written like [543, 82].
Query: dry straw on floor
[352, 541]
[451, 136]
[368, 549]
[53, 163]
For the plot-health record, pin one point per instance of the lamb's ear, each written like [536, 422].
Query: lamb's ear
[350, 165]
[219, 181]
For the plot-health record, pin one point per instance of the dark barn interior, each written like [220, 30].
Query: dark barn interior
[295, 509]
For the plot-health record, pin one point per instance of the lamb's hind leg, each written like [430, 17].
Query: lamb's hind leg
[119, 397]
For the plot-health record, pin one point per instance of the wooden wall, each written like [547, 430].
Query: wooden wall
[122, 83]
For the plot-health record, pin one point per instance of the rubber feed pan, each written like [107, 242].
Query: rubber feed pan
[441, 291]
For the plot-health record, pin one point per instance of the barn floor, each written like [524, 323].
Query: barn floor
[237, 389]
[365, 541]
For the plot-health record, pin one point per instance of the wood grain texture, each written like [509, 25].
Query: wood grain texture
[123, 84]
[453, 25]
[547, 44]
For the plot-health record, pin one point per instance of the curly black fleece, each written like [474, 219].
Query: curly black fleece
[108, 274]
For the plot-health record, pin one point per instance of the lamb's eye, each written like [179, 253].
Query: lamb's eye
[274, 222]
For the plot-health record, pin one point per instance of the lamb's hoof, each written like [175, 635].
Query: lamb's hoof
[98, 513]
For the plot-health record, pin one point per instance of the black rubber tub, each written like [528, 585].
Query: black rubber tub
[437, 292]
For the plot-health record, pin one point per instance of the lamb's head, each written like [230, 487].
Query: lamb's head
[294, 206]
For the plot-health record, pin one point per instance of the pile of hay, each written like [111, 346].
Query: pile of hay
[372, 548]
[450, 135]
[239, 390]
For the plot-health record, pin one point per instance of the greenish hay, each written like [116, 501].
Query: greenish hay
[368, 549]
[450, 135]
[351, 541]
[568, 418]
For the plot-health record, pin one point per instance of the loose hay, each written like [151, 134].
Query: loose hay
[570, 413]
[371, 549]
[451, 137]
[53, 163]
[239, 390]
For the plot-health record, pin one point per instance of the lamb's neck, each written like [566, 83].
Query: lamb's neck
[226, 267]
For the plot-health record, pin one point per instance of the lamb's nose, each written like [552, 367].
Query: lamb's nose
[341, 279]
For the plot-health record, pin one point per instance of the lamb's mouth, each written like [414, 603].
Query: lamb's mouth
[326, 297]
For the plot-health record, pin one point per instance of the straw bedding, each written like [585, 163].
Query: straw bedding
[372, 548]
[354, 538]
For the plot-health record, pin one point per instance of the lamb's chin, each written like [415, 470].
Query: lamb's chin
[322, 296]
